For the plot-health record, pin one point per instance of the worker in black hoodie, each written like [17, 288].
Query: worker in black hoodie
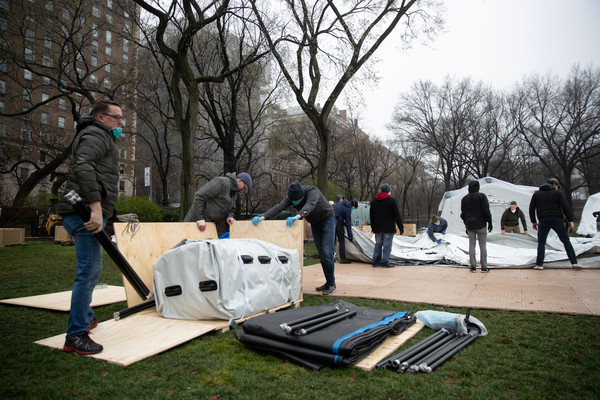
[475, 213]
[551, 207]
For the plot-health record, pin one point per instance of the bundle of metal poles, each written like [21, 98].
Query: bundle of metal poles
[310, 323]
[429, 353]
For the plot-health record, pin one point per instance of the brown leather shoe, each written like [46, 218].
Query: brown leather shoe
[575, 266]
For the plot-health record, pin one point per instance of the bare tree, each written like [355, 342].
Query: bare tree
[310, 37]
[560, 122]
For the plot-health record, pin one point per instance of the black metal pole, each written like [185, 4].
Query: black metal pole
[439, 361]
[440, 352]
[134, 309]
[315, 321]
[397, 359]
[337, 318]
[132, 277]
[424, 352]
[286, 326]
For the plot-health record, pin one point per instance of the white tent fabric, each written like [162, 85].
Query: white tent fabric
[499, 194]
[504, 251]
[587, 225]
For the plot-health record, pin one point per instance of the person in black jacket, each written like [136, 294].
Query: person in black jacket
[343, 218]
[510, 219]
[385, 216]
[551, 207]
[314, 207]
[94, 175]
[475, 213]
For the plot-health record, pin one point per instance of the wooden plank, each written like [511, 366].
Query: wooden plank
[388, 347]
[143, 246]
[140, 336]
[61, 301]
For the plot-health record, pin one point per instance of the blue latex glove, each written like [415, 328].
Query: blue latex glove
[290, 220]
[438, 241]
[256, 220]
[443, 232]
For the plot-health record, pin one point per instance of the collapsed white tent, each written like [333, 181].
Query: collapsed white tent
[587, 225]
[510, 250]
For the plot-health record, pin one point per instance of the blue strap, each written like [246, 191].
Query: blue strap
[385, 321]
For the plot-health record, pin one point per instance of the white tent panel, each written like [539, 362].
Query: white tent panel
[587, 225]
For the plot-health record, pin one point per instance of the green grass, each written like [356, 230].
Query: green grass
[525, 356]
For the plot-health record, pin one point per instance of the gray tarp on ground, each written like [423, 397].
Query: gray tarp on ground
[249, 276]
[510, 250]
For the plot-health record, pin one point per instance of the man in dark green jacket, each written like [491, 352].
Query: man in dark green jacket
[94, 175]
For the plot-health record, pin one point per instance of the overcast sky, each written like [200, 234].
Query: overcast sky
[495, 41]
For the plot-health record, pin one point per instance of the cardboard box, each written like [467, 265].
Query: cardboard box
[409, 230]
[61, 235]
[12, 236]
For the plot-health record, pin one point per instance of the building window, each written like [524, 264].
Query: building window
[27, 74]
[3, 24]
[62, 104]
[122, 153]
[107, 68]
[28, 54]
[2, 87]
[3, 65]
[121, 169]
[66, 14]
[126, 14]
[42, 156]
[95, 30]
[61, 141]
[4, 4]
[44, 136]
[125, 58]
[61, 122]
[24, 173]
[25, 133]
[26, 94]
[47, 60]
[44, 118]
[1, 106]
[108, 51]
[95, 11]
[109, 4]
[25, 154]
[29, 35]
[47, 42]
[49, 6]
[108, 37]
[95, 46]
[125, 45]
[94, 61]
[93, 78]
[45, 97]
[122, 186]
[106, 83]
[127, 27]
[109, 18]
[45, 81]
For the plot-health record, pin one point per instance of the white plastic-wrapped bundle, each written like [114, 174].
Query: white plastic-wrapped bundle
[225, 279]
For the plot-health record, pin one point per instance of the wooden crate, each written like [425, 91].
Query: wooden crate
[12, 236]
[409, 230]
[61, 235]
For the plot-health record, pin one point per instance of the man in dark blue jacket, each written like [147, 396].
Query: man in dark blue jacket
[314, 207]
[475, 213]
[551, 207]
[343, 217]
[385, 215]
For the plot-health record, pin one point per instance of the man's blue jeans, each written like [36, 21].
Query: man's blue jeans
[89, 267]
[558, 225]
[324, 236]
[383, 248]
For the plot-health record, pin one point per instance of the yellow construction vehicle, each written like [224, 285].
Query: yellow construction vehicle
[49, 220]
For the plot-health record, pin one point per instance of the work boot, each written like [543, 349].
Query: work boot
[329, 290]
[344, 261]
[575, 266]
[485, 270]
[93, 324]
[321, 288]
[82, 344]
[473, 269]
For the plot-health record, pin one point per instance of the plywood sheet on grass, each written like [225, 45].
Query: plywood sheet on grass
[557, 290]
[388, 347]
[145, 244]
[140, 336]
[61, 301]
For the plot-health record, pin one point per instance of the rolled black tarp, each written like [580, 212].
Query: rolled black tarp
[343, 343]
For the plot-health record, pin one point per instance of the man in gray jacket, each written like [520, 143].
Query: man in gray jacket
[94, 175]
[215, 201]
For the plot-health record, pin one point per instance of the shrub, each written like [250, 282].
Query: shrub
[146, 210]
[170, 214]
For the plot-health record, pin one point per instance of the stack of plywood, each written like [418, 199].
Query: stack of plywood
[61, 235]
[12, 236]
[409, 230]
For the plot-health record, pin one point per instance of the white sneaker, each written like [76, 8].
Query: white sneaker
[538, 267]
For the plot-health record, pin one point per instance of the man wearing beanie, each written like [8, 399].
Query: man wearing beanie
[215, 201]
[312, 206]
[385, 216]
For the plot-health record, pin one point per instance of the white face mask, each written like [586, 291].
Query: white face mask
[513, 211]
